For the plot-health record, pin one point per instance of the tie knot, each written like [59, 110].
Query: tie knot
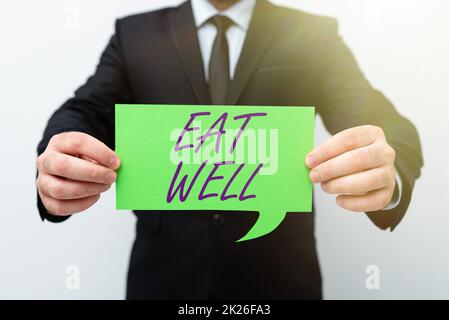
[221, 22]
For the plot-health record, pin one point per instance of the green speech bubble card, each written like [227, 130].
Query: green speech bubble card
[231, 158]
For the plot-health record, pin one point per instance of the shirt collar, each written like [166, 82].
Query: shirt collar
[240, 13]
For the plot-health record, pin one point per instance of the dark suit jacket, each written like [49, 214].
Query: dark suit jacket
[289, 58]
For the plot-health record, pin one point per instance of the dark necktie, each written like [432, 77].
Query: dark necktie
[219, 62]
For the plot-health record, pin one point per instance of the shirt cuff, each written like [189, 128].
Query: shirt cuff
[397, 194]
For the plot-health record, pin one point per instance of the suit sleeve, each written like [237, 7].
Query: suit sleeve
[346, 100]
[91, 109]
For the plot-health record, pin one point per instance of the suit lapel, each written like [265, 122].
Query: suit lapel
[185, 38]
[264, 25]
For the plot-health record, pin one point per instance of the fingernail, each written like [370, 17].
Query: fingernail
[314, 176]
[339, 201]
[324, 186]
[114, 163]
[111, 177]
[310, 161]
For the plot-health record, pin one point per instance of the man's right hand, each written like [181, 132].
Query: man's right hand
[73, 171]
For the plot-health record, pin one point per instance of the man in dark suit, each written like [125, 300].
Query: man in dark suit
[232, 52]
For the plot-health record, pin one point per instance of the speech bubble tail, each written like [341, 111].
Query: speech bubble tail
[265, 224]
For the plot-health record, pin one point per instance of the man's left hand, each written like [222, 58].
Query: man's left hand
[358, 165]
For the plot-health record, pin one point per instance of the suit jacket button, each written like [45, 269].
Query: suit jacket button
[217, 219]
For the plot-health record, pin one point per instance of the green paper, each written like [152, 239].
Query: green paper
[260, 167]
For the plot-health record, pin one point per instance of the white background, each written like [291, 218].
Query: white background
[49, 47]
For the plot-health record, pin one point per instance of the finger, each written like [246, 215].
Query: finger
[89, 159]
[360, 159]
[342, 142]
[66, 166]
[63, 189]
[81, 144]
[67, 207]
[360, 182]
[372, 201]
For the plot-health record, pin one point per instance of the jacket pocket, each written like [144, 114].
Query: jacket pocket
[291, 68]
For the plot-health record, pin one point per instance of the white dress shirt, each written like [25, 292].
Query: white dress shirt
[240, 14]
